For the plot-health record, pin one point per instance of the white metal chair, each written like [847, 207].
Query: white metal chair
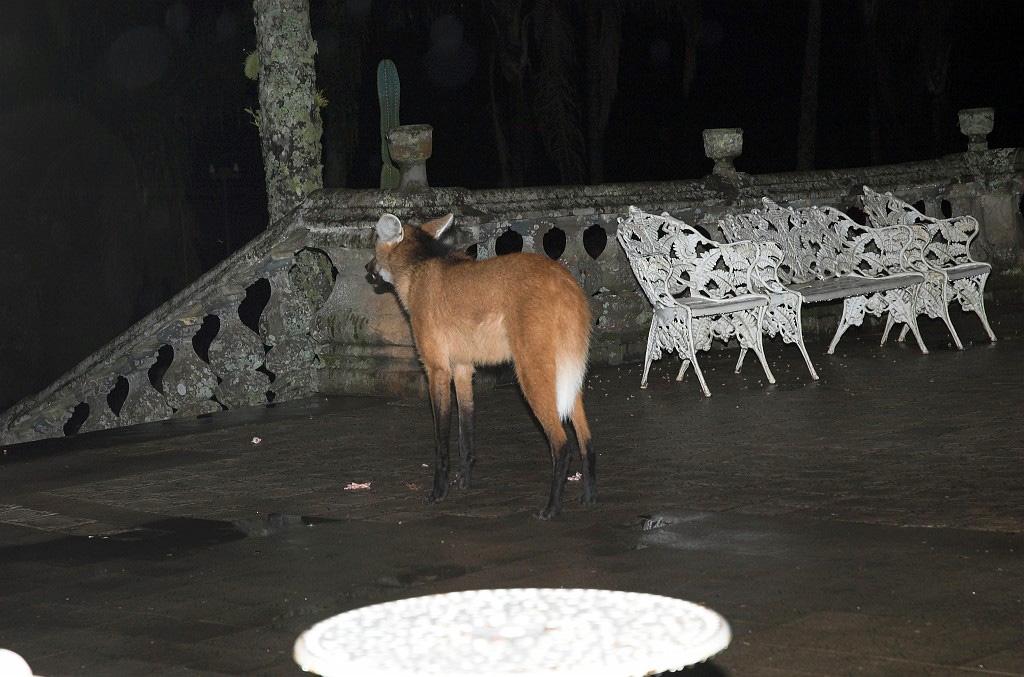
[782, 318]
[951, 273]
[699, 289]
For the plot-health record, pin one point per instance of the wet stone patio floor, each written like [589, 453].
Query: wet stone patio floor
[870, 523]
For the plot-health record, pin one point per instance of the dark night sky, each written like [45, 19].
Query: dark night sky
[161, 61]
[113, 112]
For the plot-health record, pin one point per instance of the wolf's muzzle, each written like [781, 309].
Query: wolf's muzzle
[374, 277]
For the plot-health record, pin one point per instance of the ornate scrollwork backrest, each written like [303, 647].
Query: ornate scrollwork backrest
[772, 225]
[872, 252]
[648, 256]
[764, 275]
[812, 248]
[694, 264]
[703, 267]
[948, 240]
[883, 209]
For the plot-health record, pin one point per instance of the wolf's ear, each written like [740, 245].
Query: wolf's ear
[437, 227]
[389, 229]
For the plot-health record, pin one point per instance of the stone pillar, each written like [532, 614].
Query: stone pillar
[410, 147]
[723, 145]
[976, 124]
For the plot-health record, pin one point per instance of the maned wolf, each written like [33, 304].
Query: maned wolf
[520, 307]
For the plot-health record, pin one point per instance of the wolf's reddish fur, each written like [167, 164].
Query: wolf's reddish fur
[523, 308]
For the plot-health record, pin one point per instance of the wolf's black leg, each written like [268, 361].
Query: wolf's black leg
[559, 471]
[589, 496]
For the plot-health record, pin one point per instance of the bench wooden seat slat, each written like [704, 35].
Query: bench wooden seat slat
[703, 307]
[853, 285]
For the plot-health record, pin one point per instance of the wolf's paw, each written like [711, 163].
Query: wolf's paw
[547, 514]
[588, 499]
[461, 481]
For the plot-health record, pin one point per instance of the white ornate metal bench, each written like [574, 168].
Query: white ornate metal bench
[944, 245]
[700, 290]
[827, 256]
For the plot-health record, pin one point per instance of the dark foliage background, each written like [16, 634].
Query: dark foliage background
[129, 165]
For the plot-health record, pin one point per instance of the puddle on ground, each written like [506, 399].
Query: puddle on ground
[425, 575]
[659, 520]
[317, 405]
[694, 530]
[272, 523]
[154, 540]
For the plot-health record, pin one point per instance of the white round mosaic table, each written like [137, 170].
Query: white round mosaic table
[515, 632]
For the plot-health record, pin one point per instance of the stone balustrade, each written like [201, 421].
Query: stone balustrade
[290, 314]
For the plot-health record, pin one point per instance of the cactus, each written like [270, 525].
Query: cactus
[388, 91]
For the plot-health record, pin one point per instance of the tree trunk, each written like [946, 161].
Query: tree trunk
[604, 37]
[875, 79]
[935, 45]
[808, 131]
[290, 124]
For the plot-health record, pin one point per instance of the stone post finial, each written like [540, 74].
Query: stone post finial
[976, 124]
[410, 146]
[723, 145]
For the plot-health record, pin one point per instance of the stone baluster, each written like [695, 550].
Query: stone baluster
[48, 422]
[93, 393]
[530, 239]
[285, 327]
[621, 314]
[144, 403]
[236, 354]
[485, 248]
[188, 383]
[580, 263]
[337, 319]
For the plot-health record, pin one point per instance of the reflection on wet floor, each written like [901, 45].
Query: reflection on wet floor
[869, 523]
[160, 538]
[274, 411]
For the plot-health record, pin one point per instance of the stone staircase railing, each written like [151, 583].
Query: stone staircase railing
[239, 336]
[291, 315]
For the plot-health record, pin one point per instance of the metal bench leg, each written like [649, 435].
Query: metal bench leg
[952, 331]
[690, 357]
[807, 358]
[933, 300]
[647, 368]
[682, 368]
[748, 326]
[889, 322]
[759, 345]
[949, 326]
[696, 368]
[853, 314]
[980, 311]
[785, 314]
[946, 289]
[917, 335]
[652, 338]
[971, 294]
[700, 377]
[764, 363]
[903, 303]
[739, 362]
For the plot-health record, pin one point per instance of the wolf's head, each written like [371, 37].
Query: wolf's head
[400, 248]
